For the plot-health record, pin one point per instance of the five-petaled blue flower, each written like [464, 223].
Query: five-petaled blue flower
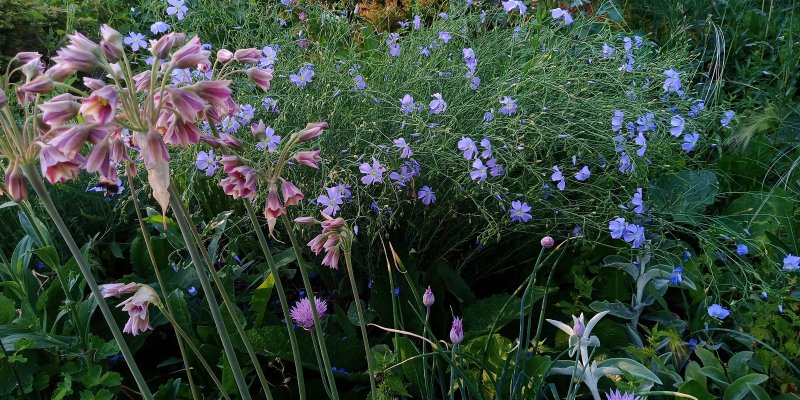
[717, 311]
[427, 195]
[519, 211]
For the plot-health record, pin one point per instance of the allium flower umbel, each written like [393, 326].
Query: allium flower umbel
[136, 305]
[334, 235]
[457, 331]
[304, 316]
[428, 298]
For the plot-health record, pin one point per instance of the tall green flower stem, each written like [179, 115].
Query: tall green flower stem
[164, 293]
[362, 324]
[231, 308]
[262, 240]
[325, 383]
[196, 351]
[32, 173]
[453, 372]
[323, 350]
[197, 260]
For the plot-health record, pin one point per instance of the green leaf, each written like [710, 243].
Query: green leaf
[693, 372]
[684, 195]
[413, 369]
[273, 340]
[352, 313]
[177, 300]
[758, 392]
[716, 375]
[762, 213]
[11, 334]
[696, 389]
[96, 377]
[8, 310]
[737, 365]
[616, 309]
[479, 316]
[34, 228]
[622, 264]
[49, 256]
[629, 367]
[708, 358]
[395, 386]
[454, 283]
[260, 299]
[536, 368]
[102, 394]
[739, 389]
[141, 258]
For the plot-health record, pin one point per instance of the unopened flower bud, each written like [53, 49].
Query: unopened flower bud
[190, 55]
[428, 298]
[260, 77]
[3, 99]
[247, 56]
[160, 48]
[457, 331]
[547, 242]
[306, 220]
[224, 56]
[111, 45]
[311, 131]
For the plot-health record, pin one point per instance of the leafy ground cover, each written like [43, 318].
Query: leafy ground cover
[517, 201]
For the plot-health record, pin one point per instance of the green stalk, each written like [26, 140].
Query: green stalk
[35, 179]
[262, 240]
[429, 387]
[231, 308]
[197, 260]
[364, 338]
[197, 353]
[319, 364]
[164, 294]
[453, 372]
[298, 252]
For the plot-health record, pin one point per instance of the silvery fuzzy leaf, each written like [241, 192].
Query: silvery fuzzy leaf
[621, 264]
[616, 309]
[593, 322]
[564, 327]
[594, 341]
[625, 366]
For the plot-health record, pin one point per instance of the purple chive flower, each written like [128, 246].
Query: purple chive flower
[741, 249]
[673, 81]
[373, 174]
[302, 314]
[583, 174]
[726, 119]
[608, 51]
[677, 124]
[634, 234]
[677, 276]
[428, 298]
[558, 13]
[206, 162]
[717, 311]
[427, 195]
[479, 171]
[495, 169]
[617, 227]
[641, 141]
[445, 36]
[359, 83]
[437, 105]
[616, 120]
[402, 145]
[177, 8]
[270, 141]
[690, 141]
[457, 331]
[487, 148]
[407, 104]
[637, 201]
[519, 211]
[617, 395]
[791, 263]
[467, 145]
[136, 41]
[509, 106]
[557, 176]
[159, 27]
[332, 201]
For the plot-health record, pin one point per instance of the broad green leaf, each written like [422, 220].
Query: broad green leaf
[717, 375]
[141, 258]
[34, 228]
[708, 358]
[412, 369]
[10, 335]
[622, 264]
[8, 311]
[627, 366]
[480, 315]
[684, 195]
[696, 389]
[260, 299]
[616, 309]
[693, 373]
[758, 392]
[737, 365]
[49, 256]
[455, 284]
[739, 389]
[177, 300]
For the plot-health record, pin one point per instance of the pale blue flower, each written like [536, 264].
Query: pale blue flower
[583, 174]
[673, 81]
[717, 311]
[159, 27]
[136, 41]
[677, 124]
[437, 105]
[791, 263]
[690, 141]
[177, 8]
[741, 249]
[727, 118]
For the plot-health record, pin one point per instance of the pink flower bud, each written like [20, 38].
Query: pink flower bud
[310, 158]
[224, 56]
[69, 139]
[273, 208]
[428, 298]
[258, 129]
[93, 84]
[60, 109]
[116, 289]
[189, 105]
[142, 81]
[15, 182]
[60, 72]
[190, 55]
[291, 193]
[78, 40]
[81, 54]
[260, 77]
[547, 242]
[32, 69]
[578, 327]
[111, 45]
[316, 244]
[25, 56]
[136, 307]
[306, 220]
[160, 48]
[331, 259]
[311, 131]
[230, 162]
[332, 225]
[41, 84]
[204, 67]
[247, 56]
[3, 99]
[99, 159]
[182, 133]
[230, 141]
[218, 93]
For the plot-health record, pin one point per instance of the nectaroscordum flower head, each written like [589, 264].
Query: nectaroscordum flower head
[224, 56]
[58, 110]
[101, 105]
[116, 289]
[160, 48]
[15, 182]
[304, 316]
[247, 56]
[136, 307]
[261, 77]
[111, 45]
[273, 208]
[190, 55]
[56, 166]
[291, 193]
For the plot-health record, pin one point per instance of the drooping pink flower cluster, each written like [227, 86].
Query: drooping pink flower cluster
[329, 240]
[136, 306]
[242, 180]
[145, 111]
